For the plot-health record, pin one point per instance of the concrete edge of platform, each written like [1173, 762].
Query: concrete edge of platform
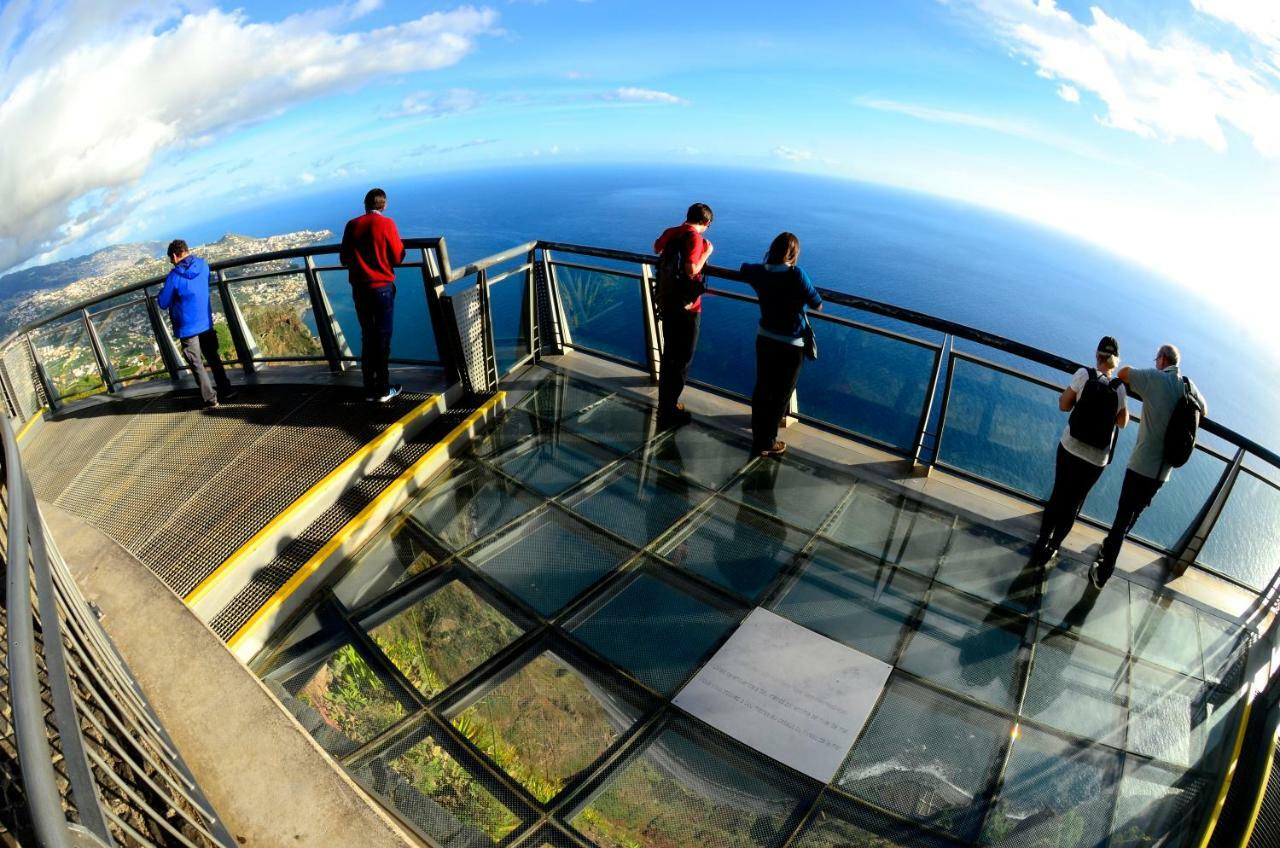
[271, 783]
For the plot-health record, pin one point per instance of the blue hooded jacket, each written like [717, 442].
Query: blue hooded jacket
[186, 295]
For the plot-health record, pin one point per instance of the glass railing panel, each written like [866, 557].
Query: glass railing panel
[1001, 427]
[726, 353]
[226, 346]
[1245, 542]
[1175, 507]
[278, 313]
[509, 305]
[1005, 427]
[604, 312]
[274, 266]
[68, 359]
[412, 339]
[129, 342]
[871, 384]
[22, 377]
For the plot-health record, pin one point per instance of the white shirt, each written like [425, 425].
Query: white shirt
[1077, 448]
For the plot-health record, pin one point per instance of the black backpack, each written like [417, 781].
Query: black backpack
[1184, 424]
[1093, 420]
[675, 288]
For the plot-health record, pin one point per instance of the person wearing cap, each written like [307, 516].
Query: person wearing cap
[1160, 389]
[1098, 406]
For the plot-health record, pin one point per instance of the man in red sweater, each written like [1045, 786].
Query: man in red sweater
[371, 248]
[680, 321]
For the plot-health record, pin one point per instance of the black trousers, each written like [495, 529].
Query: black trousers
[1135, 496]
[375, 307]
[1072, 480]
[679, 341]
[777, 370]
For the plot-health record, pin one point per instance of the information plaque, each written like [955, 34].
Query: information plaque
[787, 692]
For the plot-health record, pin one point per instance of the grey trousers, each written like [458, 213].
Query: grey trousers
[206, 343]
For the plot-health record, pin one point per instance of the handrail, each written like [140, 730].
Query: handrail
[32, 568]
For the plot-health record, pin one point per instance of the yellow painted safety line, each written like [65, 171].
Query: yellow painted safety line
[1226, 780]
[1262, 792]
[30, 423]
[339, 538]
[229, 565]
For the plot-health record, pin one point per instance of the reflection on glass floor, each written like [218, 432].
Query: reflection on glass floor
[498, 664]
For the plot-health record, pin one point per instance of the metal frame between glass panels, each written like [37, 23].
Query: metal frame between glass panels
[1020, 610]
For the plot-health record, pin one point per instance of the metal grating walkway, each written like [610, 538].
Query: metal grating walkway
[182, 489]
[270, 579]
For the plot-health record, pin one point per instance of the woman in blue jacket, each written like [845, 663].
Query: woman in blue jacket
[784, 290]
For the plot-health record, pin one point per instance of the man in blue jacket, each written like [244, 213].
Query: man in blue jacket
[186, 295]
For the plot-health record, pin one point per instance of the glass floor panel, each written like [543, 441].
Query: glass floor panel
[550, 465]
[704, 456]
[394, 556]
[796, 491]
[468, 503]
[548, 559]
[1079, 688]
[432, 791]
[499, 664]
[968, 647]
[1054, 793]
[927, 757]
[649, 612]
[638, 504]
[545, 724]
[734, 547]
[685, 789]
[848, 599]
[440, 638]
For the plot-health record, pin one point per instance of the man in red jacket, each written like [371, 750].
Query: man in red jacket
[371, 248]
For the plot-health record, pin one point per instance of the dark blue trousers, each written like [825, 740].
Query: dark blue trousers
[375, 307]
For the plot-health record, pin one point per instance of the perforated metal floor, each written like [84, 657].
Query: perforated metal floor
[268, 580]
[182, 488]
[499, 664]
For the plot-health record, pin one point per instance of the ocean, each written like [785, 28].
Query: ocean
[956, 261]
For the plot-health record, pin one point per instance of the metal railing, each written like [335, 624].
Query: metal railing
[97, 766]
[488, 317]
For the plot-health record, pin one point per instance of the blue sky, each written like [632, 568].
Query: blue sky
[1152, 128]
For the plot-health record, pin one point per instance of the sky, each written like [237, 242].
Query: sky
[1149, 128]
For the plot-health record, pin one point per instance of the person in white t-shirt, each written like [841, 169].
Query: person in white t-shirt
[1098, 407]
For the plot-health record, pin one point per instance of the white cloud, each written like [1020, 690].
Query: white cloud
[1259, 19]
[450, 148]
[129, 81]
[1004, 126]
[435, 104]
[792, 154]
[307, 177]
[1176, 89]
[1069, 93]
[644, 95]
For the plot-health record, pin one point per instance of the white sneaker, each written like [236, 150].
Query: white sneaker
[391, 392]
[1093, 575]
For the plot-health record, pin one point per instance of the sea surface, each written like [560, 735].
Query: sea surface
[955, 261]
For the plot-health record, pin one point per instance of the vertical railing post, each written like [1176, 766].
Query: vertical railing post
[652, 327]
[241, 337]
[486, 325]
[1190, 549]
[444, 322]
[547, 319]
[531, 306]
[164, 340]
[105, 369]
[42, 374]
[919, 461]
[564, 334]
[331, 338]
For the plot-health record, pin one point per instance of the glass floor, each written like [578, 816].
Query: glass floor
[498, 665]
